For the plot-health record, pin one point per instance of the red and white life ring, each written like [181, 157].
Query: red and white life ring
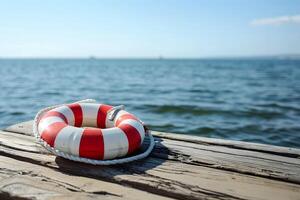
[86, 130]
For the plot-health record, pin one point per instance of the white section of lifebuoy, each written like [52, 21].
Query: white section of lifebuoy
[115, 143]
[67, 112]
[68, 140]
[90, 112]
[109, 123]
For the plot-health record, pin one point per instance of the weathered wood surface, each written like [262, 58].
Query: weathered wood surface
[180, 167]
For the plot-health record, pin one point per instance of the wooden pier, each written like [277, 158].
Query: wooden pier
[180, 167]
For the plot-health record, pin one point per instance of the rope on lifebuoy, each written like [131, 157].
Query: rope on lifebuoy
[87, 160]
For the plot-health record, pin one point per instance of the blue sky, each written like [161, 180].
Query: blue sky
[137, 28]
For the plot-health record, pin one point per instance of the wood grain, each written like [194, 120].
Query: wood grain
[179, 167]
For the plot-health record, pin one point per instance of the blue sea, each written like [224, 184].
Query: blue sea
[256, 100]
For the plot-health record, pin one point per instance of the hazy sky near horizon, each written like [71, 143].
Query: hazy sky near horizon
[149, 28]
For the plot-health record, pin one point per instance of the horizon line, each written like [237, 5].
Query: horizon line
[92, 57]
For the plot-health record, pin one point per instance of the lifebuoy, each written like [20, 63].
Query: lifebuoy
[87, 130]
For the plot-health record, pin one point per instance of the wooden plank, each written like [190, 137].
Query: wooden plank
[24, 128]
[176, 169]
[166, 178]
[284, 151]
[259, 163]
[241, 161]
[27, 180]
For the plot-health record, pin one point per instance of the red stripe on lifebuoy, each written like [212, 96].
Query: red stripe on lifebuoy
[77, 112]
[101, 116]
[55, 114]
[50, 133]
[92, 144]
[124, 117]
[133, 136]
